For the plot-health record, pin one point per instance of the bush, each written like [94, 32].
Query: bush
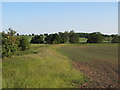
[24, 43]
[96, 37]
[12, 44]
[9, 43]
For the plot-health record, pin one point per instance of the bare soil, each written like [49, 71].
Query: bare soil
[101, 73]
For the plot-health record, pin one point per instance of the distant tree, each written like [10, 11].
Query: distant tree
[41, 34]
[73, 38]
[108, 39]
[45, 34]
[24, 43]
[37, 39]
[61, 36]
[95, 37]
[32, 34]
[47, 39]
[115, 39]
[55, 39]
[66, 37]
[17, 34]
[83, 35]
[119, 39]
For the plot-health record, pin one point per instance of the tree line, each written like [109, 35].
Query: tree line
[72, 37]
[12, 42]
[57, 38]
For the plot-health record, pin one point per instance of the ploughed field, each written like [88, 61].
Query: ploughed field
[62, 66]
[99, 62]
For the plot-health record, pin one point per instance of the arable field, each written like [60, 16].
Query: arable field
[62, 66]
[99, 62]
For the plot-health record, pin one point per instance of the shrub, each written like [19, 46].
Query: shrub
[9, 43]
[24, 43]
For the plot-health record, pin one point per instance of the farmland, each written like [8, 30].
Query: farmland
[40, 67]
[59, 45]
[98, 61]
[62, 65]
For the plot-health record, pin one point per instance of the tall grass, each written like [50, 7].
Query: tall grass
[45, 69]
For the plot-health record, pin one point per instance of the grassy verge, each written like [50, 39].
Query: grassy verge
[45, 69]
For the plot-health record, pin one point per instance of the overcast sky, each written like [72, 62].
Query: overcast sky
[51, 17]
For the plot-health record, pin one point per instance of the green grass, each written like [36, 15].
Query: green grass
[45, 69]
[42, 66]
[87, 52]
[82, 40]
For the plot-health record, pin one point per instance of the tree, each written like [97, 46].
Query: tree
[37, 39]
[48, 39]
[11, 32]
[17, 34]
[73, 38]
[95, 37]
[24, 43]
[66, 37]
[32, 34]
[119, 39]
[115, 39]
[55, 39]
[61, 36]
[9, 43]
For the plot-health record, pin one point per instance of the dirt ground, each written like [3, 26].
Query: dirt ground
[101, 73]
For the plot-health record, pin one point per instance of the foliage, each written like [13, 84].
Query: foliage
[107, 39]
[37, 39]
[24, 43]
[95, 37]
[73, 37]
[115, 39]
[9, 43]
[55, 39]
[12, 44]
[83, 35]
[66, 37]
[119, 39]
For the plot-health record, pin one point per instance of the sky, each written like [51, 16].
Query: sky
[52, 17]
